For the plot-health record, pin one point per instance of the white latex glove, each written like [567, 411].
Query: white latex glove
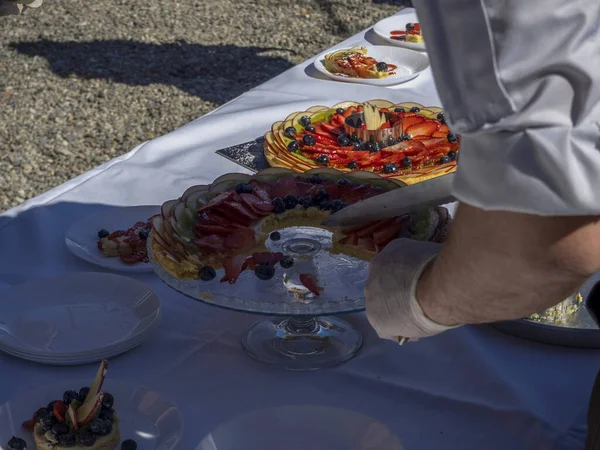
[9, 8]
[392, 306]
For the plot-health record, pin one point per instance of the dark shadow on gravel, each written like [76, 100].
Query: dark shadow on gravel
[216, 73]
[407, 3]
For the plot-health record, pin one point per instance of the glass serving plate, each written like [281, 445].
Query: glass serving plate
[304, 335]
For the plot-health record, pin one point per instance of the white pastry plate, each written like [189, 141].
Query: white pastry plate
[410, 65]
[384, 29]
[76, 318]
[302, 427]
[145, 415]
[82, 237]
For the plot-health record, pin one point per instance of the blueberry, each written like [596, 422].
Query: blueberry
[352, 165]
[390, 168]
[50, 406]
[400, 110]
[310, 129]
[67, 440]
[143, 235]
[277, 201]
[83, 392]
[275, 236]
[382, 67]
[17, 444]
[343, 140]
[336, 205]
[405, 137]
[47, 422]
[87, 438]
[323, 160]
[309, 140]
[355, 138]
[441, 116]
[39, 415]
[306, 201]
[129, 444]
[264, 271]
[358, 146]
[103, 233]
[244, 188]
[325, 205]
[319, 196]
[315, 179]
[96, 426]
[207, 273]
[69, 396]
[106, 414]
[279, 208]
[406, 162]
[343, 182]
[410, 26]
[290, 201]
[60, 428]
[340, 110]
[376, 148]
[106, 427]
[391, 141]
[369, 146]
[452, 155]
[286, 262]
[305, 121]
[290, 132]
[292, 146]
[452, 138]
[415, 109]
[444, 160]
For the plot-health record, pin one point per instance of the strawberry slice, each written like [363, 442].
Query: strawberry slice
[330, 129]
[29, 425]
[210, 244]
[444, 129]
[310, 283]
[261, 190]
[60, 410]
[422, 129]
[383, 236]
[351, 239]
[439, 134]
[413, 120]
[233, 268]
[240, 239]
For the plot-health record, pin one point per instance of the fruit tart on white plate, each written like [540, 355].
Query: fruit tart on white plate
[83, 419]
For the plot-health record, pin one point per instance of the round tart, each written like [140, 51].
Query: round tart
[321, 137]
[226, 225]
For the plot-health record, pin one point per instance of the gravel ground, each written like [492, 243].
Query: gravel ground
[82, 82]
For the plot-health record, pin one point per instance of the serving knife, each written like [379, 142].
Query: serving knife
[437, 191]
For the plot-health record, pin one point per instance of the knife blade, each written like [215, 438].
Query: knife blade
[396, 202]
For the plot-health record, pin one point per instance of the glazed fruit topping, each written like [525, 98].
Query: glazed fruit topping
[406, 162]
[309, 140]
[103, 233]
[129, 444]
[399, 110]
[305, 121]
[310, 129]
[405, 137]
[323, 160]
[292, 146]
[340, 111]
[352, 165]
[452, 138]
[444, 160]
[264, 271]
[275, 236]
[207, 273]
[290, 132]
[410, 26]
[390, 168]
[17, 444]
[382, 67]
[452, 155]
[343, 140]
[441, 116]
[415, 109]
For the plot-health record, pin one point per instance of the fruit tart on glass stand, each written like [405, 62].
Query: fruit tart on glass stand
[255, 244]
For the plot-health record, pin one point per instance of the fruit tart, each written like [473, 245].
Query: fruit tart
[225, 226]
[82, 420]
[129, 245]
[355, 63]
[411, 33]
[412, 144]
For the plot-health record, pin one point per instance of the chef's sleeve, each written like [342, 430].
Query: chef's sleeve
[520, 81]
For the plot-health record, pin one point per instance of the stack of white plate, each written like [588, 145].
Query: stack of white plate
[77, 318]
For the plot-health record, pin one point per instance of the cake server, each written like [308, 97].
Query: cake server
[437, 191]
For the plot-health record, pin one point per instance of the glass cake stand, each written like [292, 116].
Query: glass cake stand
[304, 334]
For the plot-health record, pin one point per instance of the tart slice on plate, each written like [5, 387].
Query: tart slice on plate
[82, 419]
[354, 62]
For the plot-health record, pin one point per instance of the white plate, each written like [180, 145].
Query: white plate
[302, 427]
[76, 316]
[82, 236]
[144, 415]
[410, 65]
[384, 28]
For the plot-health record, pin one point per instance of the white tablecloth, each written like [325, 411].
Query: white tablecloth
[471, 388]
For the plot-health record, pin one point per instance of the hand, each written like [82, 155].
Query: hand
[9, 8]
[392, 306]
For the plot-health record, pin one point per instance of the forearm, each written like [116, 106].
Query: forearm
[503, 265]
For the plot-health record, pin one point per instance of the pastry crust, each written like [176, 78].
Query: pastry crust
[108, 442]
